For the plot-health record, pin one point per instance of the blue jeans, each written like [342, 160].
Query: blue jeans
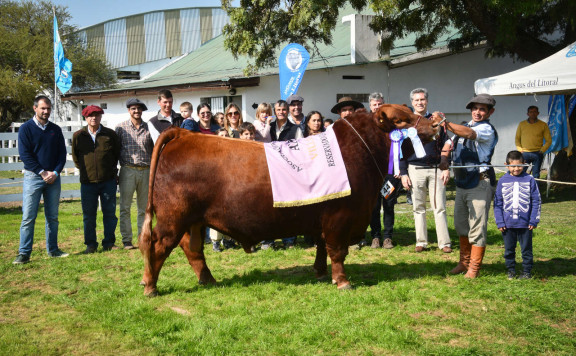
[524, 237]
[33, 189]
[536, 159]
[90, 193]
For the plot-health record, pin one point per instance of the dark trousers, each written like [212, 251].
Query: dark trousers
[536, 158]
[90, 193]
[524, 237]
[375, 225]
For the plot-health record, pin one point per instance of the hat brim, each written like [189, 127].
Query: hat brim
[356, 104]
[142, 105]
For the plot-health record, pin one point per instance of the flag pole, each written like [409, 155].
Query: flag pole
[54, 64]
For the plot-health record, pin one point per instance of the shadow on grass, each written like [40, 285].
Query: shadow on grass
[371, 274]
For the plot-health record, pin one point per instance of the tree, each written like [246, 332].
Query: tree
[26, 56]
[525, 29]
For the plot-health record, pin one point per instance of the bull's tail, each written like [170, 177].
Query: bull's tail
[145, 238]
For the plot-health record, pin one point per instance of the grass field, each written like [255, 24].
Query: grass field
[269, 303]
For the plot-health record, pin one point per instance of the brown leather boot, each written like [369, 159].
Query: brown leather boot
[464, 256]
[475, 261]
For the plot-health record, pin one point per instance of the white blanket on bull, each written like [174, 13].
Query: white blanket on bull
[306, 171]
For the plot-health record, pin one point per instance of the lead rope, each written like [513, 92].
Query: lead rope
[368, 148]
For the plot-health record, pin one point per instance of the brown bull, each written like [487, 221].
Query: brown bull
[193, 186]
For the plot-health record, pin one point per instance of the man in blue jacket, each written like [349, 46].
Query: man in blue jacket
[42, 149]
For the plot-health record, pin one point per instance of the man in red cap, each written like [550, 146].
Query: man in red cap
[96, 150]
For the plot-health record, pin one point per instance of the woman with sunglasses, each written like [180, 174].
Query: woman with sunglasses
[206, 124]
[233, 120]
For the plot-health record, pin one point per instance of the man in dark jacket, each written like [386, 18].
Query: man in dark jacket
[96, 150]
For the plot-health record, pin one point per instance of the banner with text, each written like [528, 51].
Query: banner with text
[557, 122]
[291, 65]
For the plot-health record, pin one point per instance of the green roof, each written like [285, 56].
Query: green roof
[211, 63]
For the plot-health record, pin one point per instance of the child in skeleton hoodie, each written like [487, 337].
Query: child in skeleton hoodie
[517, 213]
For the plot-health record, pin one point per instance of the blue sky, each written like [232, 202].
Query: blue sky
[90, 12]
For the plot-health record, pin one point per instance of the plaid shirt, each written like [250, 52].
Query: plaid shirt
[137, 144]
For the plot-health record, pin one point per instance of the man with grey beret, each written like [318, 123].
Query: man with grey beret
[472, 145]
[135, 157]
[296, 115]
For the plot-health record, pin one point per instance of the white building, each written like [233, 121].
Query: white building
[349, 67]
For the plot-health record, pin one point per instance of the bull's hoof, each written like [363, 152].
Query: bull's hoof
[142, 283]
[345, 286]
[333, 281]
[207, 282]
[153, 293]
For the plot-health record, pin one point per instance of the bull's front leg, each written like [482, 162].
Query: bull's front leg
[193, 245]
[337, 256]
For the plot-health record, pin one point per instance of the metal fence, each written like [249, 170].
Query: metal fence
[10, 161]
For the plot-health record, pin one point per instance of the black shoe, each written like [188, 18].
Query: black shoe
[129, 246]
[110, 248]
[525, 275]
[21, 259]
[90, 249]
[409, 200]
[288, 245]
[58, 253]
[511, 274]
[229, 243]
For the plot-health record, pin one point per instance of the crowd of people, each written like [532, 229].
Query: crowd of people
[97, 150]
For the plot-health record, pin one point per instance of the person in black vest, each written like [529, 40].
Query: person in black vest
[282, 129]
[166, 117]
[473, 144]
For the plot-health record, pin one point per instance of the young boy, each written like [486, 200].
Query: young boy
[186, 110]
[222, 132]
[517, 213]
[247, 131]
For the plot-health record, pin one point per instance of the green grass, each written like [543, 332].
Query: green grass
[269, 303]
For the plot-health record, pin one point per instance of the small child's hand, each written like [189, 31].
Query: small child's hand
[531, 227]
[502, 229]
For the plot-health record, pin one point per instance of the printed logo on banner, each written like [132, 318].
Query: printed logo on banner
[291, 65]
[571, 52]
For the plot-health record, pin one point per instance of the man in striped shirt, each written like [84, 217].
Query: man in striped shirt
[135, 158]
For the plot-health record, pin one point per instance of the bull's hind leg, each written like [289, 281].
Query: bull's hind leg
[337, 255]
[193, 245]
[155, 252]
[320, 264]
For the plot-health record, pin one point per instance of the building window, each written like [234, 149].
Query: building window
[104, 106]
[219, 103]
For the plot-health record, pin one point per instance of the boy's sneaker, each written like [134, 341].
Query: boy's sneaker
[58, 253]
[21, 259]
[511, 275]
[525, 275]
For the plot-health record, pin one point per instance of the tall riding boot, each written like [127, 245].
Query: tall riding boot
[475, 261]
[464, 256]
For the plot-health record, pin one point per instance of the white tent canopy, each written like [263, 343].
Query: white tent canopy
[553, 75]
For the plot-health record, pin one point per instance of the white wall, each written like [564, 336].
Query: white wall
[449, 80]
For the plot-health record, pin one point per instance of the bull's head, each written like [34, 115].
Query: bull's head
[392, 116]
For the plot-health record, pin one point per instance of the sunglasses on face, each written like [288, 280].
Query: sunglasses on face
[205, 113]
[235, 113]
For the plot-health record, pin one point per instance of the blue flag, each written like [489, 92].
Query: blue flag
[557, 123]
[62, 66]
[291, 65]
